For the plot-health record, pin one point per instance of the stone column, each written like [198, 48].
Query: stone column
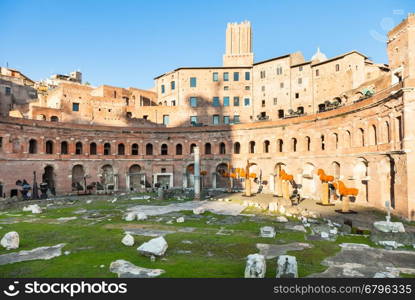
[197, 173]
[325, 193]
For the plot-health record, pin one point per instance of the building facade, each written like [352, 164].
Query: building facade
[346, 115]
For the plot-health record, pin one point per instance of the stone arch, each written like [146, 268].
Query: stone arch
[64, 147]
[277, 181]
[149, 149]
[221, 181]
[121, 149]
[347, 139]
[107, 149]
[252, 147]
[280, 145]
[294, 145]
[386, 132]
[373, 138]
[190, 178]
[135, 177]
[307, 143]
[310, 181]
[134, 149]
[78, 174]
[192, 148]
[208, 148]
[335, 170]
[54, 119]
[360, 175]
[164, 149]
[108, 178]
[266, 146]
[41, 117]
[78, 148]
[49, 178]
[360, 137]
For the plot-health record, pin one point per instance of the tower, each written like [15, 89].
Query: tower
[238, 45]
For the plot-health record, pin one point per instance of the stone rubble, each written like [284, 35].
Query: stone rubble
[125, 269]
[156, 246]
[10, 240]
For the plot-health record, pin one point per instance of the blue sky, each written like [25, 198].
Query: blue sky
[127, 43]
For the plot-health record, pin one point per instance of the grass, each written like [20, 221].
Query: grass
[97, 241]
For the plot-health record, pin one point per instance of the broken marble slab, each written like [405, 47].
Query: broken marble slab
[222, 208]
[360, 260]
[44, 253]
[295, 227]
[147, 232]
[272, 251]
[125, 269]
[145, 197]
[66, 219]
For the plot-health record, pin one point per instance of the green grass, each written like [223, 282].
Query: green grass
[94, 242]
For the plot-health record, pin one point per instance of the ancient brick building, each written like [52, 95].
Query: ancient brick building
[346, 115]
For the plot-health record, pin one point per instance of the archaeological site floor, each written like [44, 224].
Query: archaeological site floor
[211, 244]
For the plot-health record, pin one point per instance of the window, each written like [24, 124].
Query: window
[226, 119]
[193, 101]
[163, 89]
[266, 147]
[78, 148]
[263, 103]
[237, 148]
[225, 101]
[145, 117]
[247, 76]
[280, 113]
[75, 106]
[279, 70]
[235, 76]
[193, 120]
[121, 149]
[216, 101]
[246, 102]
[226, 76]
[300, 80]
[280, 145]
[54, 119]
[215, 119]
[164, 149]
[173, 102]
[300, 110]
[179, 149]
[247, 88]
[263, 88]
[215, 76]
[235, 101]
[236, 119]
[149, 149]
[337, 67]
[317, 73]
[294, 145]
[166, 120]
[275, 101]
[134, 149]
[308, 143]
[192, 148]
[172, 85]
[49, 147]
[8, 91]
[107, 149]
[226, 88]
[323, 145]
[64, 147]
[251, 147]
[282, 85]
[300, 68]
[222, 148]
[297, 95]
[262, 74]
[192, 81]
[208, 148]
[92, 149]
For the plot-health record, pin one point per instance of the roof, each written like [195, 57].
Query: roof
[271, 59]
[202, 68]
[339, 57]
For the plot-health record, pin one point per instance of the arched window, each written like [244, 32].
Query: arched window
[121, 149]
[78, 148]
[348, 138]
[308, 143]
[362, 137]
[222, 148]
[251, 147]
[336, 169]
[179, 149]
[64, 147]
[208, 148]
[32, 146]
[192, 148]
[54, 119]
[387, 132]
[336, 140]
[93, 149]
[323, 144]
[294, 144]
[49, 147]
[107, 149]
[134, 149]
[237, 148]
[266, 146]
[149, 149]
[280, 145]
[164, 150]
[373, 135]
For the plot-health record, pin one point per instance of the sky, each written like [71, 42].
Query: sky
[127, 43]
